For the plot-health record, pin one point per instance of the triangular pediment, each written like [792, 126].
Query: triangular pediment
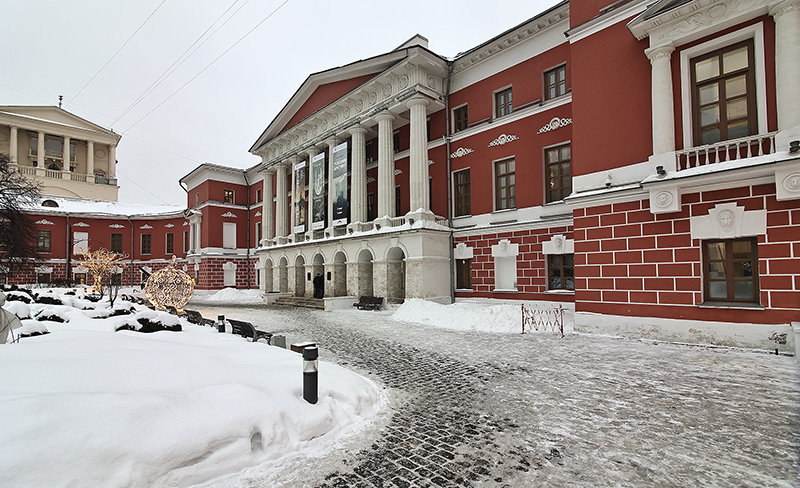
[325, 87]
[53, 115]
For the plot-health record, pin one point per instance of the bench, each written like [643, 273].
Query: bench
[246, 329]
[369, 303]
[195, 317]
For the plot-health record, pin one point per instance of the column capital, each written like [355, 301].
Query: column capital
[779, 8]
[658, 52]
[357, 130]
[332, 142]
[385, 116]
[418, 100]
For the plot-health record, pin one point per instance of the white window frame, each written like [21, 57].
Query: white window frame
[754, 32]
[453, 117]
[494, 101]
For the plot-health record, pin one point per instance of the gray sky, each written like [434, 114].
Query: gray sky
[216, 103]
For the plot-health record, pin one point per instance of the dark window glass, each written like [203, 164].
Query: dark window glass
[44, 241]
[461, 118]
[731, 270]
[464, 274]
[502, 101]
[561, 269]
[463, 206]
[146, 243]
[505, 185]
[558, 167]
[228, 196]
[170, 243]
[555, 82]
[116, 243]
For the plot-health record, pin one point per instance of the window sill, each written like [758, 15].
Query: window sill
[464, 290]
[505, 290]
[732, 305]
[560, 292]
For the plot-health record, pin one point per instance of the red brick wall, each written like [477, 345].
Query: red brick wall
[631, 262]
[531, 264]
[212, 276]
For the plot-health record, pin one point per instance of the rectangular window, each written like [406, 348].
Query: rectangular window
[79, 279]
[397, 202]
[555, 82]
[229, 235]
[258, 196]
[228, 196]
[561, 269]
[502, 102]
[464, 274]
[146, 244]
[723, 99]
[370, 150]
[258, 233]
[558, 167]
[462, 190]
[504, 185]
[396, 141]
[170, 243]
[196, 199]
[370, 207]
[116, 243]
[43, 278]
[44, 240]
[731, 270]
[186, 241]
[461, 119]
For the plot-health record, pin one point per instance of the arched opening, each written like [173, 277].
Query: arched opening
[266, 277]
[395, 275]
[300, 276]
[365, 273]
[339, 274]
[318, 269]
[283, 275]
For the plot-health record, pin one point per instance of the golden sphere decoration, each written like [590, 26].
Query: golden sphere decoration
[169, 287]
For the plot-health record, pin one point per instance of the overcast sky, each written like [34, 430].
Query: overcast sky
[104, 56]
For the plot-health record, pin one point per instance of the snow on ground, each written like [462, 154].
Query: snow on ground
[85, 406]
[229, 295]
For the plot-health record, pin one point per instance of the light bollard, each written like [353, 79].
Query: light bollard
[220, 323]
[310, 374]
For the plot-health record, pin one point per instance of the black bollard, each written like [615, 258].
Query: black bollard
[221, 323]
[310, 374]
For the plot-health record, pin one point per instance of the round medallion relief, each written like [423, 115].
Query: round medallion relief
[387, 90]
[792, 182]
[359, 105]
[99, 153]
[335, 119]
[373, 97]
[663, 199]
[431, 81]
[346, 112]
[403, 81]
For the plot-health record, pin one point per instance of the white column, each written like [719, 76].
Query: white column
[65, 153]
[787, 67]
[312, 151]
[358, 176]
[292, 215]
[267, 207]
[40, 150]
[661, 93]
[280, 201]
[112, 161]
[12, 145]
[418, 157]
[385, 165]
[90, 159]
[331, 144]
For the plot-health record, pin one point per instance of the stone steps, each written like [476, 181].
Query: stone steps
[315, 303]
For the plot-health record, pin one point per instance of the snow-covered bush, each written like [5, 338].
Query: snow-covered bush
[150, 321]
[21, 309]
[19, 296]
[49, 299]
[53, 314]
[31, 328]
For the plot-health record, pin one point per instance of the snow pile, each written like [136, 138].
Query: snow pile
[485, 317]
[232, 295]
[85, 406]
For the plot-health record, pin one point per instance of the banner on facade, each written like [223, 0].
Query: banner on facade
[300, 197]
[318, 198]
[340, 203]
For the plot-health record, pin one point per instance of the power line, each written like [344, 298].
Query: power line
[178, 62]
[211, 63]
[118, 50]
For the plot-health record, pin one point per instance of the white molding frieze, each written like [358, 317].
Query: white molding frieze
[117, 226]
[229, 215]
[80, 224]
[44, 222]
[146, 226]
[170, 225]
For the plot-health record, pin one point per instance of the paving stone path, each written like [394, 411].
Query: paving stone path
[473, 409]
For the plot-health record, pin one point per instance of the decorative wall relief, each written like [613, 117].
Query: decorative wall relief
[728, 221]
[554, 124]
[503, 139]
[558, 244]
[461, 151]
[44, 222]
[80, 224]
[462, 251]
[229, 215]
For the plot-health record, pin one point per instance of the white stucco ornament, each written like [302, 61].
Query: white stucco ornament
[460, 152]
[554, 124]
[558, 244]
[503, 139]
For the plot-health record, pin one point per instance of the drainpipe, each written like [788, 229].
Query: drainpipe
[247, 184]
[449, 182]
[132, 250]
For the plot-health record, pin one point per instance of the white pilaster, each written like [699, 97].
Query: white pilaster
[787, 67]
[418, 157]
[280, 201]
[12, 145]
[385, 165]
[358, 177]
[663, 115]
[40, 150]
[90, 161]
[292, 214]
[65, 153]
[313, 151]
[112, 161]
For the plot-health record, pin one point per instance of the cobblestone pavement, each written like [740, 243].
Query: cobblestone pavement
[474, 409]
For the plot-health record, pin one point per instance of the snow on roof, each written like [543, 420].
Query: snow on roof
[102, 207]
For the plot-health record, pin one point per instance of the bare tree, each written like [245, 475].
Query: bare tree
[18, 236]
